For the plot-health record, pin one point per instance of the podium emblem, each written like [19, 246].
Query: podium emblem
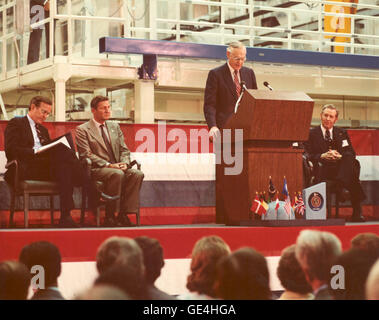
[316, 201]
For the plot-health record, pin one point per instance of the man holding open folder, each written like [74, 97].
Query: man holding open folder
[25, 138]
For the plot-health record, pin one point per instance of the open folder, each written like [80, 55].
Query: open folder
[65, 140]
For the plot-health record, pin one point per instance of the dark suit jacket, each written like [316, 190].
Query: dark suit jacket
[316, 144]
[220, 94]
[47, 294]
[19, 142]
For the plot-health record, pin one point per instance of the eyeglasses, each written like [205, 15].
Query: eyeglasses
[238, 59]
[44, 112]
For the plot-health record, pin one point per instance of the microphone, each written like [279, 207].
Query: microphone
[266, 84]
[243, 86]
[243, 89]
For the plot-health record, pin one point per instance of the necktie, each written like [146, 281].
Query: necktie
[237, 83]
[328, 139]
[44, 140]
[107, 144]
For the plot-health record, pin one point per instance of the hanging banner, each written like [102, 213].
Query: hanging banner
[338, 24]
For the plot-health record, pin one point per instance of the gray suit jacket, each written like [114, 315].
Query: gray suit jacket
[91, 144]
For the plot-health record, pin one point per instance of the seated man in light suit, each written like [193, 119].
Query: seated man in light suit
[103, 143]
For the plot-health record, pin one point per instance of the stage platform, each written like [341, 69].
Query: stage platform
[177, 240]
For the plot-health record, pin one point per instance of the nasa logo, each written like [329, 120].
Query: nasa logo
[315, 201]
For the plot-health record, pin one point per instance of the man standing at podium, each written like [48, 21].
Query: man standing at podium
[223, 88]
[330, 150]
[222, 91]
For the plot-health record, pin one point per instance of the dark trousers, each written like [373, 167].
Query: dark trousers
[60, 164]
[35, 43]
[346, 173]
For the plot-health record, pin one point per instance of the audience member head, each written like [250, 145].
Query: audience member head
[205, 255]
[120, 251]
[243, 275]
[44, 254]
[124, 277]
[356, 265]
[368, 242]
[152, 257]
[316, 251]
[290, 274]
[39, 109]
[103, 292]
[372, 283]
[14, 281]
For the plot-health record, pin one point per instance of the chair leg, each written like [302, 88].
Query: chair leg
[337, 206]
[83, 209]
[98, 217]
[52, 209]
[12, 208]
[26, 210]
[138, 217]
[329, 205]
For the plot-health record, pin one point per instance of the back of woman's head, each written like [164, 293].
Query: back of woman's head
[205, 256]
[243, 275]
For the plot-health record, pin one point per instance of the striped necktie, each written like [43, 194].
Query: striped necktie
[42, 139]
[237, 83]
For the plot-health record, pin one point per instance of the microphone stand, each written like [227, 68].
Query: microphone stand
[239, 99]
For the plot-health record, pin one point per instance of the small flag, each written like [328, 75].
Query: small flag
[264, 205]
[299, 205]
[271, 190]
[256, 204]
[277, 202]
[293, 201]
[285, 188]
[287, 200]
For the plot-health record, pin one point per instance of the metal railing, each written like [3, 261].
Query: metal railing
[218, 23]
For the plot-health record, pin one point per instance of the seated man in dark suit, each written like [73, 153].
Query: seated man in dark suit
[47, 256]
[330, 150]
[24, 137]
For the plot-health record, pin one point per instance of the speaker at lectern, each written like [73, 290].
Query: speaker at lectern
[315, 202]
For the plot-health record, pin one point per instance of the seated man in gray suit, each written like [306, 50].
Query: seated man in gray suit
[103, 143]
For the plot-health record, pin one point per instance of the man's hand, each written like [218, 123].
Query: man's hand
[214, 133]
[120, 165]
[331, 155]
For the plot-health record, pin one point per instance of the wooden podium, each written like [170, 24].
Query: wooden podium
[271, 121]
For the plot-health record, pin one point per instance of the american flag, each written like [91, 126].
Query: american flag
[287, 201]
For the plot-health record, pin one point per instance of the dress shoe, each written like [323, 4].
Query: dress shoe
[67, 222]
[110, 222]
[124, 221]
[357, 218]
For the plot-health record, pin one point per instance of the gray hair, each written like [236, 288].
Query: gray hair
[330, 106]
[235, 45]
[316, 252]
[119, 250]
